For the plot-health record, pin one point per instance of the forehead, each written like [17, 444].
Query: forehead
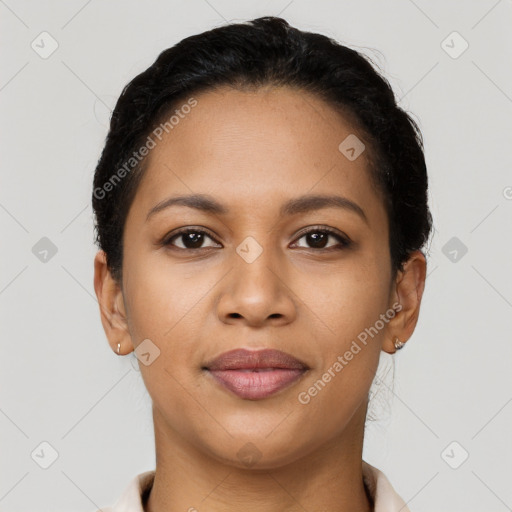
[253, 148]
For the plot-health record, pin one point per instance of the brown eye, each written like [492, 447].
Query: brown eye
[317, 238]
[189, 238]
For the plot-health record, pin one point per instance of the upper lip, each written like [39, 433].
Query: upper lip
[242, 359]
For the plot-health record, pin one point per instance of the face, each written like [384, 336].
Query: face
[261, 267]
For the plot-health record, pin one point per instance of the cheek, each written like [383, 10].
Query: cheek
[352, 313]
[161, 296]
[347, 355]
[350, 299]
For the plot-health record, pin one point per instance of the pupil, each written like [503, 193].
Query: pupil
[314, 238]
[193, 240]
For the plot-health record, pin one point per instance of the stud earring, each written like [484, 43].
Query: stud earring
[118, 348]
[398, 344]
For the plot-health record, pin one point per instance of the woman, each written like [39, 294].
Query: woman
[261, 205]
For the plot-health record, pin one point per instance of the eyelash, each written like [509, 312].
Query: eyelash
[344, 242]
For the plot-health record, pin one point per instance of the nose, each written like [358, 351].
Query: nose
[257, 293]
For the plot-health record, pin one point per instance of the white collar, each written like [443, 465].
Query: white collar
[384, 496]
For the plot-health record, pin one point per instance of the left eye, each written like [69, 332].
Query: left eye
[318, 239]
[190, 238]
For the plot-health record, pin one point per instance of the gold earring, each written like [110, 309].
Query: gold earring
[398, 344]
[118, 348]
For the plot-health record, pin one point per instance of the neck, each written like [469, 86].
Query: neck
[328, 478]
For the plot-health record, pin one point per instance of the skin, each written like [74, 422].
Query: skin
[252, 152]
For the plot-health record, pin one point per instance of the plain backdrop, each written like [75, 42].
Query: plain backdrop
[443, 430]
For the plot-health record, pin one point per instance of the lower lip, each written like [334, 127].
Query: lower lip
[256, 385]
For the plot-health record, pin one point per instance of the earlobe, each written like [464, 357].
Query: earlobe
[111, 303]
[408, 292]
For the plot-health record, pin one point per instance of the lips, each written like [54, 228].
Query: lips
[255, 375]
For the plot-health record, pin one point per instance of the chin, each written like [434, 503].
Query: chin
[261, 452]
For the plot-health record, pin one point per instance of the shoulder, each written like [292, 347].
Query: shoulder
[131, 499]
[384, 495]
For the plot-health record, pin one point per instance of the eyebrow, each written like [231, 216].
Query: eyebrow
[293, 206]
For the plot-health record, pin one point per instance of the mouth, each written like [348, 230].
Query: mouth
[255, 375]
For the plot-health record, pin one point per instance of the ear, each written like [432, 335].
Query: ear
[112, 307]
[406, 296]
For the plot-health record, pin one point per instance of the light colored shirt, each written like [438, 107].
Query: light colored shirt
[384, 496]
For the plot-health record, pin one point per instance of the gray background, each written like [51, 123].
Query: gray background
[59, 381]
